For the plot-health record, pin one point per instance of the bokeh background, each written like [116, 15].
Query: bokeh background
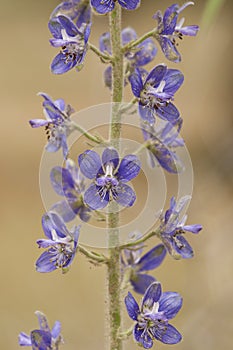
[77, 299]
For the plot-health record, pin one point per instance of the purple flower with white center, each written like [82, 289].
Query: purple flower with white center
[109, 177]
[163, 138]
[69, 182]
[43, 338]
[105, 6]
[156, 92]
[168, 30]
[137, 57]
[58, 125]
[61, 244]
[78, 11]
[152, 318]
[173, 229]
[136, 264]
[72, 41]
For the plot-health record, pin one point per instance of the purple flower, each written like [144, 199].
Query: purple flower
[137, 57]
[137, 264]
[57, 124]
[163, 139]
[43, 338]
[72, 41]
[78, 11]
[156, 92]
[105, 6]
[109, 178]
[173, 229]
[168, 30]
[152, 317]
[69, 182]
[61, 244]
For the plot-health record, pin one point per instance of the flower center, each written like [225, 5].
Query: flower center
[61, 254]
[107, 183]
[155, 97]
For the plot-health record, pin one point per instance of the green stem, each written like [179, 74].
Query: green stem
[127, 106]
[92, 256]
[141, 240]
[96, 139]
[124, 335]
[104, 57]
[138, 41]
[114, 266]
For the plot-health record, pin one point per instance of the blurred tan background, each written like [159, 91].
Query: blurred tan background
[77, 299]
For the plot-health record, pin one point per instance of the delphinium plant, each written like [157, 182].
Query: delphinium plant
[98, 184]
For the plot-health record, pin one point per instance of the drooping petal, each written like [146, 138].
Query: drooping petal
[53, 145]
[152, 259]
[129, 168]
[142, 337]
[152, 295]
[41, 340]
[167, 334]
[169, 49]
[93, 199]
[141, 282]
[132, 306]
[170, 303]
[59, 64]
[44, 263]
[125, 195]
[178, 247]
[90, 164]
[147, 113]
[167, 159]
[24, 339]
[168, 112]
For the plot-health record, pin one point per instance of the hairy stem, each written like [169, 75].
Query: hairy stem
[114, 267]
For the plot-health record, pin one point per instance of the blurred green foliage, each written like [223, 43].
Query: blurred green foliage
[212, 8]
